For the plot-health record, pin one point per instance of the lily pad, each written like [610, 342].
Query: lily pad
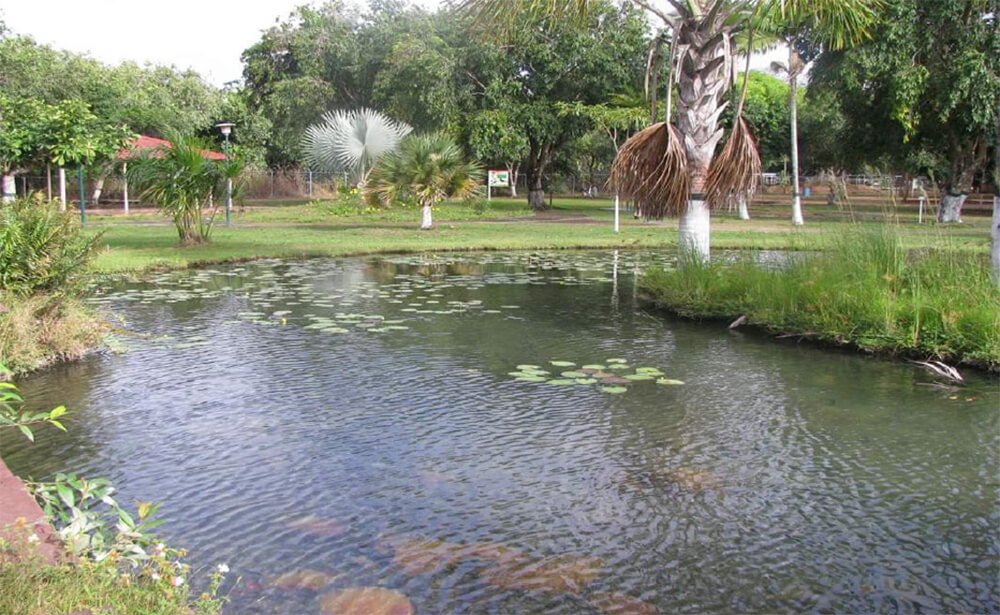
[573, 375]
[562, 382]
[561, 574]
[618, 366]
[669, 381]
[528, 366]
[530, 378]
[586, 380]
[614, 390]
[366, 601]
[638, 377]
[652, 371]
[563, 363]
[617, 361]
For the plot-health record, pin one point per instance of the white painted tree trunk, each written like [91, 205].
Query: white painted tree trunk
[512, 173]
[9, 188]
[996, 237]
[62, 189]
[48, 182]
[617, 205]
[694, 232]
[743, 209]
[951, 207]
[125, 186]
[427, 221]
[797, 218]
[98, 189]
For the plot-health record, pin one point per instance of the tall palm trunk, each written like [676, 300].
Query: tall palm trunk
[793, 104]
[702, 85]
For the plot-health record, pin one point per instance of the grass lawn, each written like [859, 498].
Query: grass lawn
[146, 240]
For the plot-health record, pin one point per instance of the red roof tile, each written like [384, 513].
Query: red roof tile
[144, 143]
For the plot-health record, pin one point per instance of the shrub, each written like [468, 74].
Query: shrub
[41, 249]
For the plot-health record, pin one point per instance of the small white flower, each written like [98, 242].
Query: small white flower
[222, 568]
[155, 576]
[159, 548]
[33, 539]
[178, 581]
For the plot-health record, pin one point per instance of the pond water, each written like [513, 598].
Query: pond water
[386, 422]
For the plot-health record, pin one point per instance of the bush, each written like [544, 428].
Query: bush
[41, 249]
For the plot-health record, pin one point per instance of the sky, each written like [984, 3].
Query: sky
[206, 35]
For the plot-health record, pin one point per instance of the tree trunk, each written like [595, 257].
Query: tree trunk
[702, 87]
[62, 189]
[743, 209]
[793, 105]
[48, 181]
[695, 230]
[98, 189]
[427, 222]
[950, 209]
[996, 235]
[512, 174]
[9, 188]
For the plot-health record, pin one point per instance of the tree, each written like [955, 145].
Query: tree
[184, 183]
[427, 169]
[923, 93]
[496, 139]
[351, 142]
[21, 121]
[552, 61]
[670, 164]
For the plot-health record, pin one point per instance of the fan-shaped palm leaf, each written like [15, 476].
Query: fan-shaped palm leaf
[350, 141]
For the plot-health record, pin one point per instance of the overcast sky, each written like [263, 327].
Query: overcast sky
[206, 35]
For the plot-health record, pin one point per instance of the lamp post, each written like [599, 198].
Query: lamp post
[226, 128]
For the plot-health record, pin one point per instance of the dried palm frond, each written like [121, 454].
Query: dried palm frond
[652, 169]
[736, 170]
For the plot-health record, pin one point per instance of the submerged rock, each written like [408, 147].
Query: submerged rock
[366, 601]
[318, 526]
[620, 604]
[303, 579]
[559, 574]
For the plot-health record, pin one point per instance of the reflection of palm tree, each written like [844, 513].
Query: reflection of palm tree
[666, 167]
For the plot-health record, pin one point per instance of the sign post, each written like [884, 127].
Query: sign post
[497, 179]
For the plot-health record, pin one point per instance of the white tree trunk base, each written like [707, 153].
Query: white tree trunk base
[694, 232]
[744, 211]
[62, 189]
[9, 189]
[951, 208]
[428, 222]
[797, 219]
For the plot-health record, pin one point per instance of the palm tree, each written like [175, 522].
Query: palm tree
[184, 183]
[666, 167]
[426, 169]
[351, 142]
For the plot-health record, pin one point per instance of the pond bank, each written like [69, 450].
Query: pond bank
[866, 293]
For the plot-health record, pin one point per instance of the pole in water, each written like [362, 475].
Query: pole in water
[83, 198]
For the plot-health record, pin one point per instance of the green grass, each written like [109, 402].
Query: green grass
[865, 290]
[32, 588]
[145, 240]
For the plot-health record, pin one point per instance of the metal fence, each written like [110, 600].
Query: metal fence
[297, 184]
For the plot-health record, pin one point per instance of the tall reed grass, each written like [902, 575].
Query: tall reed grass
[865, 291]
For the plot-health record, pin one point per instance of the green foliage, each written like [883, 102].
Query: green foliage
[495, 138]
[867, 291]
[923, 94]
[11, 417]
[41, 249]
[427, 169]
[185, 185]
[766, 108]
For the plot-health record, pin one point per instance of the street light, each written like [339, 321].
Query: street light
[226, 128]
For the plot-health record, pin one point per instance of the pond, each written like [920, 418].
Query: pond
[515, 433]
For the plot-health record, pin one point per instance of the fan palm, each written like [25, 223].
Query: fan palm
[352, 141]
[666, 167]
[427, 169]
